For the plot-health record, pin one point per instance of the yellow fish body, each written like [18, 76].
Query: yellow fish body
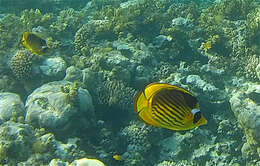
[118, 157]
[168, 106]
[34, 43]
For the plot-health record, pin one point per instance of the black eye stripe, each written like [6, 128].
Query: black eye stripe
[197, 117]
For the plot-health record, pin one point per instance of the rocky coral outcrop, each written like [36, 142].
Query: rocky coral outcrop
[138, 137]
[245, 104]
[11, 107]
[54, 105]
[16, 141]
[53, 67]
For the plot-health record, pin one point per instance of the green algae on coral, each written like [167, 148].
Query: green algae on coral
[71, 92]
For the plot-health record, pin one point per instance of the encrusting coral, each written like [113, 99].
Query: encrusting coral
[116, 94]
[139, 138]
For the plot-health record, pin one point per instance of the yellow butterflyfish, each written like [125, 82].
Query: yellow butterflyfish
[34, 43]
[168, 106]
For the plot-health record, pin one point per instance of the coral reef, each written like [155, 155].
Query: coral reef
[236, 44]
[33, 18]
[68, 21]
[245, 105]
[16, 6]
[163, 71]
[138, 138]
[47, 150]
[176, 149]
[116, 94]
[251, 67]
[171, 163]
[90, 34]
[110, 50]
[15, 136]
[10, 31]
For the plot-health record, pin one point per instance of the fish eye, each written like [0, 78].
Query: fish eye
[197, 117]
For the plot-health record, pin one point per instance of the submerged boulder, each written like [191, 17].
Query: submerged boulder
[87, 162]
[54, 67]
[11, 106]
[58, 105]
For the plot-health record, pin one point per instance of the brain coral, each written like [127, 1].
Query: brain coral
[21, 64]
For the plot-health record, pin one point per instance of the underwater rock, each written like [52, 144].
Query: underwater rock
[246, 105]
[87, 162]
[179, 21]
[258, 71]
[171, 145]
[161, 40]
[53, 67]
[212, 69]
[223, 154]
[11, 106]
[58, 162]
[207, 91]
[175, 147]
[124, 48]
[68, 151]
[16, 141]
[114, 63]
[127, 4]
[73, 74]
[46, 149]
[116, 59]
[201, 84]
[200, 147]
[54, 104]
[166, 163]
